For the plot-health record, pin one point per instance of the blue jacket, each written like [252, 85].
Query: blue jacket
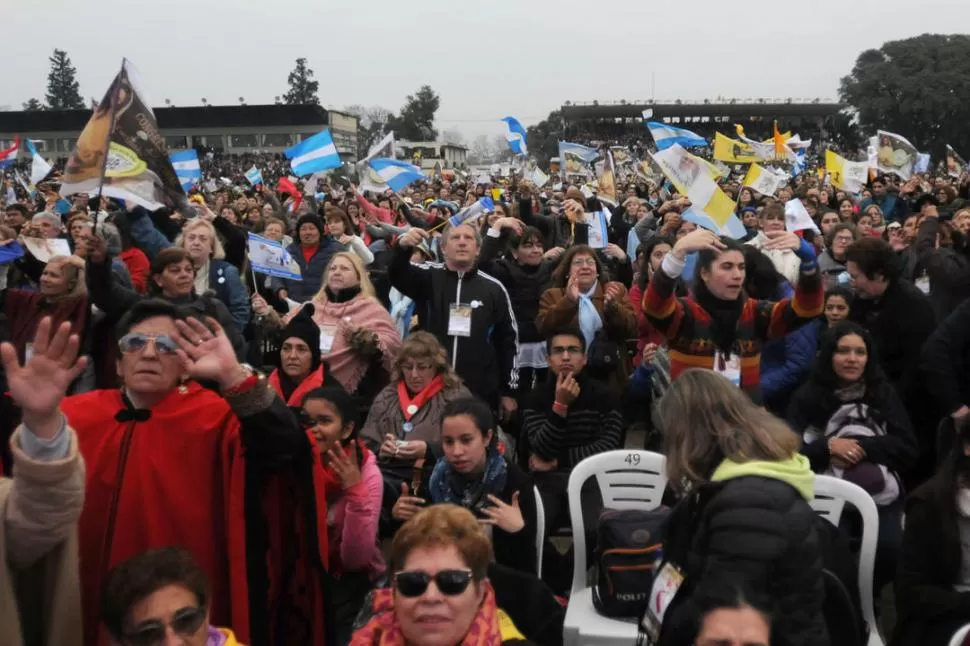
[224, 278]
[893, 208]
[312, 272]
[785, 362]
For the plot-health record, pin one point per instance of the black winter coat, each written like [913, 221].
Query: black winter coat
[754, 531]
[945, 362]
[928, 609]
[948, 269]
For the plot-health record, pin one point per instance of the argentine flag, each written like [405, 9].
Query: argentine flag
[666, 136]
[395, 173]
[39, 167]
[313, 155]
[187, 169]
[515, 136]
[254, 176]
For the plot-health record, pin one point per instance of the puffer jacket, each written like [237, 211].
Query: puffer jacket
[756, 531]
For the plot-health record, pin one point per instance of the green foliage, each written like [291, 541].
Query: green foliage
[416, 121]
[303, 89]
[544, 138]
[33, 105]
[62, 86]
[918, 87]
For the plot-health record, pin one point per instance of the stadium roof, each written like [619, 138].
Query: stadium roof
[211, 116]
[727, 108]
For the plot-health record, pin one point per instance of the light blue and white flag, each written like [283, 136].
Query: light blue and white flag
[798, 166]
[476, 210]
[666, 136]
[271, 257]
[39, 167]
[254, 176]
[515, 135]
[187, 168]
[395, 173]
[313, 155]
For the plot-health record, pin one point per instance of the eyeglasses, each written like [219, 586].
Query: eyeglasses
[414, 583]
[185, 623]
[842, 239]
[416, 367]
[558, 350]
[583, 262]
[137, 342]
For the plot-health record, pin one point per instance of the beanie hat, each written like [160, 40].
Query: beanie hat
[309, 219]
[303, 327]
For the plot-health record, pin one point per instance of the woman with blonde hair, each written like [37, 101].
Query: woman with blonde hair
[403, 425]
[745, 516]
[358, 338]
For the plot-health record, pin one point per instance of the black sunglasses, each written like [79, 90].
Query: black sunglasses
[414, 583]
[185, 623]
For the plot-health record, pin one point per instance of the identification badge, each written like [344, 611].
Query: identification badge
[728, 367]
[663, 592]
[327, 334]
[923, 282]
[459, 320]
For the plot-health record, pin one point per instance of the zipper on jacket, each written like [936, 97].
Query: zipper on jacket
[454, 344]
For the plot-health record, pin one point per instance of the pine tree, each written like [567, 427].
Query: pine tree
[303, 89]
[62, 86]
[33, 105]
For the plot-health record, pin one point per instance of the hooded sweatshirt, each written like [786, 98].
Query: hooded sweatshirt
[795, 471]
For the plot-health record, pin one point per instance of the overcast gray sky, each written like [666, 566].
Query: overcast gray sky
[485, 58]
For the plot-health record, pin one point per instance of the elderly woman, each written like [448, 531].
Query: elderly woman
[358, 338]
[405, 418]
[585, 298]
[440, 594]
[159, 595]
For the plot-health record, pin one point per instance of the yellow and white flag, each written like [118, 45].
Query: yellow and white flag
[711, 207]
[763, 180]
[846, 175]
[733, 151]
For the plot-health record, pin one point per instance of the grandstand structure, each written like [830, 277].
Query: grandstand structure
[615, 120]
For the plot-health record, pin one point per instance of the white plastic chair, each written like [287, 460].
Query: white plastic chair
[540, 530]
[627, 480]
[831, 495]
[959, 636]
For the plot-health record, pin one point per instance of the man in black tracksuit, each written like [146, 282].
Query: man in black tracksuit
[468, 310]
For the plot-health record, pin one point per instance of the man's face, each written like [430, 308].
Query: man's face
[309, 234]
[461, 246]
[566, 355]
[47, 228]
[14, 218]
[878, 189]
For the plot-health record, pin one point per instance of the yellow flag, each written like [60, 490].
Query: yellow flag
[846, 175]
[733, 151]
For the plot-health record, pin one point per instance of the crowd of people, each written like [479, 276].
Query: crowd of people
[195, 450]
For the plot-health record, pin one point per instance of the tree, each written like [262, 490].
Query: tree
[480, 151]
[453, 136]
[918, 87]
[303, 89]
[371, 126]
[544, 138]
[843, 131]
[62, 86]
[416, 121]
[33, 105]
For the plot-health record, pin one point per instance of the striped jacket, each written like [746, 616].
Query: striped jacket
[688, 327]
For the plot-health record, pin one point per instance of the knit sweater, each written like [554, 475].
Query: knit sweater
[689, 328]
[593, 423]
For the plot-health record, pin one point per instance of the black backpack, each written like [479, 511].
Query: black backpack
[629, 548]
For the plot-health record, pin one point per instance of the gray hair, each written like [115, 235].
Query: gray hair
[112, 238]
[475, 230]
[53, 218]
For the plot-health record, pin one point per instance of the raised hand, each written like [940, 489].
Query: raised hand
[207, 353]
[567, 389]
[782, 240]
[412, 238]
[572, 290]
[41, 383]
[344, 466]
[696, 241]
[504, 516]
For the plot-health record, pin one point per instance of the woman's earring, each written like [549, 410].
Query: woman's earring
[183, 388]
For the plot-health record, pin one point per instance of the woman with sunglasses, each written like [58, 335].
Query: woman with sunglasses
[354, 490]
[160, 597]
[440, 594]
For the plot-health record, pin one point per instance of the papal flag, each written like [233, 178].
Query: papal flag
[733, 151]
[846, 175]
[606, 179]
[121, 151]
[955, 165]
[711, 207]
[894, 154]
[763, 180]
